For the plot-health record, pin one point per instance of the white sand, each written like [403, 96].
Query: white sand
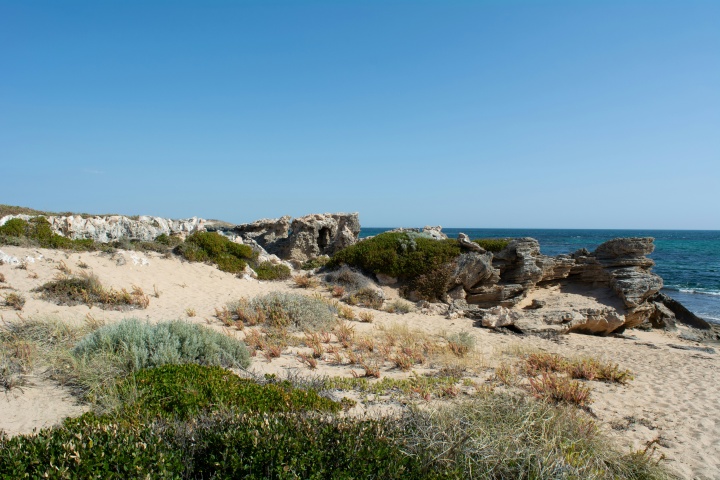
[674, 398]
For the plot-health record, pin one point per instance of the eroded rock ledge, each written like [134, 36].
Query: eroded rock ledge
[609, 290]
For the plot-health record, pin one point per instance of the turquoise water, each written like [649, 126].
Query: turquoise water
[687, 260]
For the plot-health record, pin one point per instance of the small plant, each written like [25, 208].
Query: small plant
[308, 360]
[83, 265]
[286, 310]
[2, 278]
[346, 313]
[62, 266]
[550, 386]
[190, 312]
[403, 361]
[15, 300]
[461, 343]
[338, 291]
[271, 271]
[399, 306]
[345, 333]
[141, 345]
[87, 289]
[156, 291]
[223, 314]
[366, 316]
[367, 297]
[506, 374]
[371, 368]
[305, 281]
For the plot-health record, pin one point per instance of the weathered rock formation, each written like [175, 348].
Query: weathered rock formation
[617, 276]
[303, 238]
[115, 227]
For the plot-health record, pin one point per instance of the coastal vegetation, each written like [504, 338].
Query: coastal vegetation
[86, 289]
[163, 404]
[403, 255]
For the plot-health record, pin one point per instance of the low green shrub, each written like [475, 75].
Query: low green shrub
[139, 344]
[493, 244]
[432, 286]
[15, 227]
[38, 232]
[183, 391]
[403, 255]
[211, 246]
[94, 448]
[217, 445]
[171, 241]
[271, 271]
[282, 310]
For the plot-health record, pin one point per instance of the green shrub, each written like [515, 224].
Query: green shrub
[287, 310]
[218, 445]
[211, 246]
[271, 271]
[183, 391]
[94, 448]
[493, 244]
[433, 286]
[402, 255]
[140, 345]
[171, 241]
[38, 231]
[15, 227]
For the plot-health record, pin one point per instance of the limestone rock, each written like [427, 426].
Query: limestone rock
[468, 244]
[473, 268]
[264, 232]
[427, 231]
[116, 227]
[303, 238]
[498, 317]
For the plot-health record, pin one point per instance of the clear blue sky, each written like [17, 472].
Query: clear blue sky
[574, 114]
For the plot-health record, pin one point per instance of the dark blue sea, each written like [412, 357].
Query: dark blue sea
[687, 260]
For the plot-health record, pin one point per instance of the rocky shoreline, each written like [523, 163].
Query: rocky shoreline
[493, 288]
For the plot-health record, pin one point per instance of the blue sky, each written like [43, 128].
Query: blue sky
[554, 114]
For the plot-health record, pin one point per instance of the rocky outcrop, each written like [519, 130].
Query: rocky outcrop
[303, 238]
[496, 284]
[105, 229]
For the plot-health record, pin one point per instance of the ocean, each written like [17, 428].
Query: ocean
[687, 260]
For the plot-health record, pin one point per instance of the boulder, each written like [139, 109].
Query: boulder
[473, 268]
[384, 279]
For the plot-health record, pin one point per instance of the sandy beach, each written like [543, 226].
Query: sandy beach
[672, 403]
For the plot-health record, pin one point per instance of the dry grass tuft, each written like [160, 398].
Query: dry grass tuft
[86, 288]
[306, 281]
[550, 386]
[15, 301]
[366, 317]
